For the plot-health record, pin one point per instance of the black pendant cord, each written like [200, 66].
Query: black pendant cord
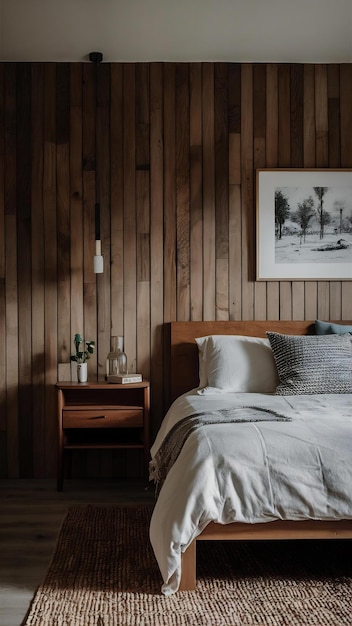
[97, 221]
[96, 58]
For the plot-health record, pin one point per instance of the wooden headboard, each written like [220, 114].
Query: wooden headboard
[183, 353]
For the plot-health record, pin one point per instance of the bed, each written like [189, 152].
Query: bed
[248, 461]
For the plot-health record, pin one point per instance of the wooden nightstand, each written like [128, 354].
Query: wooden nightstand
[102, 415]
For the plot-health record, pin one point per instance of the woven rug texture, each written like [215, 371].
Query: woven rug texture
[104, 573]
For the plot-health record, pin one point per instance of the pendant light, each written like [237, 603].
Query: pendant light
[96, 58]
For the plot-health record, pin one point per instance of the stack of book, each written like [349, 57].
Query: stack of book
[122, 379]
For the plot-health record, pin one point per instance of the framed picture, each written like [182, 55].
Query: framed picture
[304, 224]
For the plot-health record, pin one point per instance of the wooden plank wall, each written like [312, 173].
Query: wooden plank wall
[174, 148]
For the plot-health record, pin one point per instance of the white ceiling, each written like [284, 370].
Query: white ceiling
[301, 31]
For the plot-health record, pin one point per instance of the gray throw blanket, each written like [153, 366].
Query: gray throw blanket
[172, 445]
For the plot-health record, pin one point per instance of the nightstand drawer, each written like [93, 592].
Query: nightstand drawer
[102, 418]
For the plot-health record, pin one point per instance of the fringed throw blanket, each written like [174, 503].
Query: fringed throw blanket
[172, 445]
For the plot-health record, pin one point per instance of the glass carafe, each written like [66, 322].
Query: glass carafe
[116, 361]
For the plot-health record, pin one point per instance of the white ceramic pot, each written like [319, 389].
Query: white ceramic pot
[82, 372]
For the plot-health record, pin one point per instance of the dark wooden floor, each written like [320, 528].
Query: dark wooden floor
[32, 512]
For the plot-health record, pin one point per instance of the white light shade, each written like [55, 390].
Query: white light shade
[98, 264]
[98, 259]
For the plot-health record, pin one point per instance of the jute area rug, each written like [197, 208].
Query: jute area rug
[104, 573]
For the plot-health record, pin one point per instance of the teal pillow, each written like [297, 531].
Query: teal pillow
[328, 328]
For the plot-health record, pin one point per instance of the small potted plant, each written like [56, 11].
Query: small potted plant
[81, 356]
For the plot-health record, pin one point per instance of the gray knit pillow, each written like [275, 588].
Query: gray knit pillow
[312, 364]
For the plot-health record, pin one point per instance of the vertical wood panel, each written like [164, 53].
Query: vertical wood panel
[311, 300]
[156, 243]
[272, 116]
[2, 208]
[76, 202]
[334, 116]
[11, 274]
[335, 309]
[11, 311]
[182, 191]
[171, 151]
[285, 300]
[116, 200]
[142, 362]
[235, 257]
[346, 114]
[50, 259]
[23, 182]
[346, 300]
[259, 161]
[196, 200]
[208, 191]
[143, 219]
[296, 116]
[38, 308]
[298, 300]
[221, 111]
[129, 212]
[284, 97]
[142, 116]
[143, 226]
[63, 208]
[221, 158]
[235, 217]
[308, 117]
[323, 300]
[247, 186]
[3, 417]
[170, 289]
[321, 115]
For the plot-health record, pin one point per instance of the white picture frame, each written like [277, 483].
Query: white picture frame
[314, 240]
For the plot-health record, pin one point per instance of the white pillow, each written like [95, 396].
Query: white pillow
[236, 363]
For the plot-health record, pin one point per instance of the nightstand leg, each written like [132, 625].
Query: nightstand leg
[60, 451]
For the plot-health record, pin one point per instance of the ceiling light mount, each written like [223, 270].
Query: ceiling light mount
[96, 57]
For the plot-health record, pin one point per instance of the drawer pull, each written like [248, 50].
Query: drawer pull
[98, 417]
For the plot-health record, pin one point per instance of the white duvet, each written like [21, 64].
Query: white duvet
[252, 472]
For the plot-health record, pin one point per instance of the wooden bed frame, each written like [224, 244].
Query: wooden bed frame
[183, 367]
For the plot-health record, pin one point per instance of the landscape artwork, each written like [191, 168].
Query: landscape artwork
[304, 224]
